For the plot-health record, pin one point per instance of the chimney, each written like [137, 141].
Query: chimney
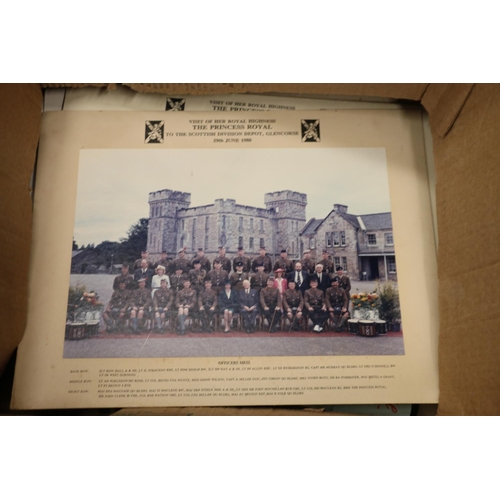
[341, 209]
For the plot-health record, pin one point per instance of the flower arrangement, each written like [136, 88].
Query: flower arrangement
[365, 305]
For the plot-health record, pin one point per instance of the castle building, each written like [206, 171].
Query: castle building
[173, 224]
[362, 244]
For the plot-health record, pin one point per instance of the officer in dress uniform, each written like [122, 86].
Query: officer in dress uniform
[218, 276]
[283, 262]
[197, 277]
[293, 303]
[271, 306]
[314, 300]
[205, 263]
[336, 302]
[182, 261]
[241, 257]
[166, 262]
[124, 276]
[327, 263]
[225, 262]
[308, 263]
[238, 277]
[114, 315]
[163, 300]
[185, 301]
[345, 283]
[263, 259]
[140, 302]
[258, 281]
[207, 306]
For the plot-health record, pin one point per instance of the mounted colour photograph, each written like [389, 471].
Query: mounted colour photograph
[203, 244]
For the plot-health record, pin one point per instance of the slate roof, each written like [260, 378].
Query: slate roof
[373, 222]
[311, 226]
[352, 219]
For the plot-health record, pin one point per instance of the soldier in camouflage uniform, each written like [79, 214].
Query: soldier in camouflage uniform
[185, 302]
[163, 300]
[336, 302]
[283, 262]
[258, 281]
[207, 306]
[238, 277]
[115, 314]
[197, 277]
[139, 304]
[241, 257]
[263, 259]
[218, 276]
[314, 300]
[124, 276]
[270, 303]
[205, 263]
[293, 303]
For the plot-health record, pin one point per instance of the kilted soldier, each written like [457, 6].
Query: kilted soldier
[163, 300]
[345, 283]
[258, 281]
[327, 263]
[197, 276]
[115, 314]
[314, 300]
[166, 262]
[182, 261]
[124, 276]
[140, 302]
[144, 255]
[205, 263]
[308, 263]
[283, 262]
[144, 272]
[177, 280]
[249, 306]
[225, 262]
[238, 277]
[218, 276]
[185, 302]
[207, 305]
[336, 302]
[270, 303]
[293, 303]
[241, 257]
[228, 304]
[263, 259]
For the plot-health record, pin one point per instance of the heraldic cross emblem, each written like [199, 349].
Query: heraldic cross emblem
[154, 132]
[310, 131]
[175, 104]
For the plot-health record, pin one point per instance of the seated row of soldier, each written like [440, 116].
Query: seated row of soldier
[201, 295]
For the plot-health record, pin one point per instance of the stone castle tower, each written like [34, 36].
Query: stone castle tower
[173, 224]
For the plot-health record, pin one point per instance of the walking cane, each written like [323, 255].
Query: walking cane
[292, 323]
[272, 320]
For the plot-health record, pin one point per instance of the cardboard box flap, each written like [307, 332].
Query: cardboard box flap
[410, 91]
[444, 101]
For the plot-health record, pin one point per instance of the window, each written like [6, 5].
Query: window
[336, 261]
[240, 241]
[344, 264]
[206, 241]
[342, 239]
[207, 223]
[372, 239]
[391, 264]
[261, 225]
[336, 239]
[311, 243]
[388, 239]
[240, 224]
[223, 222]
[250, 243]
[193, 235]
[182, 225]
[261, 242]
[328, 239]
[293, 247]
[251, 224]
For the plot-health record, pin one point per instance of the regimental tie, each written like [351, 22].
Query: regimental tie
[299, 281]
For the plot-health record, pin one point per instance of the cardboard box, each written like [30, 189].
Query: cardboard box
[465, 124]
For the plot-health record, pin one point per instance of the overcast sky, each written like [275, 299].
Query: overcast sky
[113, 185]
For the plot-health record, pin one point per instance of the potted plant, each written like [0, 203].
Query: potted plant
[388, 308]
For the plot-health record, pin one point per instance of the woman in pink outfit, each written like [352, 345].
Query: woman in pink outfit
[279, 282]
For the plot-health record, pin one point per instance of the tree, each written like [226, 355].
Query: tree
[136, 241]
